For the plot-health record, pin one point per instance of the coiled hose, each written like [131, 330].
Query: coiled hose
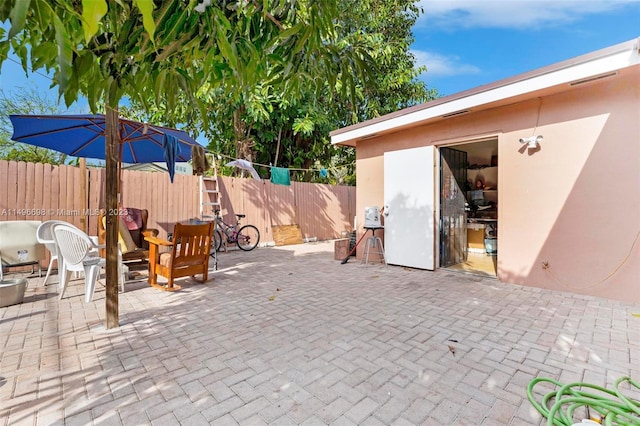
[613, 407]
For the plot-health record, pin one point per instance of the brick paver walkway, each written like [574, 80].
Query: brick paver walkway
[288, 336]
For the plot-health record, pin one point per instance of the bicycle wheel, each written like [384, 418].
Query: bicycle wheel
[217, 241]
[248, 238]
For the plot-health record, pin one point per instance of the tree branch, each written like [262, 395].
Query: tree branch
[268, 15]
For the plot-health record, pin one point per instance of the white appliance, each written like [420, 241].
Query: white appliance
[372, 217]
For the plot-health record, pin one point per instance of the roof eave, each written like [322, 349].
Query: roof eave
[603, 62]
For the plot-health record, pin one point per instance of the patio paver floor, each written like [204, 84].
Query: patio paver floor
[290, 336]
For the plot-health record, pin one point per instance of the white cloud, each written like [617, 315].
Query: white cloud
[524, 14]
[443, 65]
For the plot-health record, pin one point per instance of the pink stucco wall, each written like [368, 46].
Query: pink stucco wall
[574, 203]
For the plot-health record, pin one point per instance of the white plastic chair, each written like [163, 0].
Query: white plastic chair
[44, 234]
[78, 253]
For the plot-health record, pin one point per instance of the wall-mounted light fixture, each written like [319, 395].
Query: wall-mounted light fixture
[532, 141]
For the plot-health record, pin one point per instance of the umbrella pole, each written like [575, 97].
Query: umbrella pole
[112, 140]
[120, 147]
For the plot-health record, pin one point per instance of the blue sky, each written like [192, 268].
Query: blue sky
[13, 76]
[468, 43]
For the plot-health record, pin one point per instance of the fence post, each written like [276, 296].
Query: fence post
[82, 162]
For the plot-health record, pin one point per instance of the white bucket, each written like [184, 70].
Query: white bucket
[491, 245]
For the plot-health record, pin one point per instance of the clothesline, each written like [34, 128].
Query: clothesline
[270, 165]
[33, 71]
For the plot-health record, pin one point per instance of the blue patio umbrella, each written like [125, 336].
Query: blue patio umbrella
[84, 136]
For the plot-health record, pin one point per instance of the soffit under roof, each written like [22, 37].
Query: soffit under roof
[556, 78]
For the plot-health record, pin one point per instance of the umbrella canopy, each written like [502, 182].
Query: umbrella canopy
[84, 136]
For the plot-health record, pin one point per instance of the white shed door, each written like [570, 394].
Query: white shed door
[409, 194]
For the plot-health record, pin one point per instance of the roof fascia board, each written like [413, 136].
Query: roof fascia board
[575, 71]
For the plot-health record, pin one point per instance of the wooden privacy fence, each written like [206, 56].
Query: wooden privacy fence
[322, 211]
[35, 191]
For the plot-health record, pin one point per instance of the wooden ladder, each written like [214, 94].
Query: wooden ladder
[210, 199]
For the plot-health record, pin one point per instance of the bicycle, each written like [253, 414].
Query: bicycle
[245, 237]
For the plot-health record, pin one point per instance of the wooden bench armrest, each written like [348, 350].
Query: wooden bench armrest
[158, 241]
[150, 232]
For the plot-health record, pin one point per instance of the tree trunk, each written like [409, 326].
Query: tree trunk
[244, 142]
[275, 160]
[112, 141]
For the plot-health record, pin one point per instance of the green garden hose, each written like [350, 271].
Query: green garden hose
[611, 405]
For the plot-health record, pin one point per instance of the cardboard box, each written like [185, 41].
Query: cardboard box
[475, 238]
[287, 234]
[341, 249]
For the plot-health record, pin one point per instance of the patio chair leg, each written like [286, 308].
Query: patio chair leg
[65, 276]
[153, 278]
[91, 276]
[46, 277]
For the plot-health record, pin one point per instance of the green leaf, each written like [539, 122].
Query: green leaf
[84, 63]
[146, 8]
[70, 97]
[92, 13]
[42, 54]
[4, 50]
[226, 49]
[159, 84]
[18, 16]
[93, 95]
[173, 29]
[290, 32]
[65, 54]
[41, 14]
[303, 125]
